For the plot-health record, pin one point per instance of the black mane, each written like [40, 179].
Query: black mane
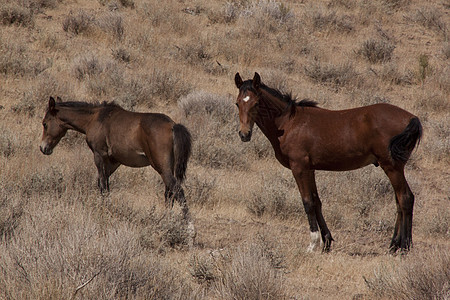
[286, 97]
[82, 104]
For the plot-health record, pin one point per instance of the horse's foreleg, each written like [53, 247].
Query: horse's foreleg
[325, 232]
[306, 187]
[102, 180]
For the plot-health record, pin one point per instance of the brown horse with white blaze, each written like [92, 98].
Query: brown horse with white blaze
[120, 137]
[306, 138]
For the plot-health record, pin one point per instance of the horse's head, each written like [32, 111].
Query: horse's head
[53, 128]
[247, 102]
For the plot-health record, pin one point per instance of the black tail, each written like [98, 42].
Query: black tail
[182, 150]
[403, 144]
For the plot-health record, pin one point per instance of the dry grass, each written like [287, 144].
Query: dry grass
[59, 239]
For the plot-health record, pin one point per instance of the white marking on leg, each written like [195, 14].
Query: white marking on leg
[246, 99]
[315, 240]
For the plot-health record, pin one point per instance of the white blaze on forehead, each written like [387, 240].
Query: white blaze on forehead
[246, 99]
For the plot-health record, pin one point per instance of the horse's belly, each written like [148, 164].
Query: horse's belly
[344, 164]
[137, 159]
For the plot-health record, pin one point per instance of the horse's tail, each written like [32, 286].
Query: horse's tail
[182, 141]
[403, 144]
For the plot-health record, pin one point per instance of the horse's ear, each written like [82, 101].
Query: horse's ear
[256, 81]
[51, 103]
[238, 80]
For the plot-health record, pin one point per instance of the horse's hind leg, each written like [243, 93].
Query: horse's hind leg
[173, 192]
[402, 237]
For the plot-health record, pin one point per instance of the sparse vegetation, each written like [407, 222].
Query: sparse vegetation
[60, 239]
[377, 50]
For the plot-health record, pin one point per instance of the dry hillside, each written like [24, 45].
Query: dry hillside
[60, 239]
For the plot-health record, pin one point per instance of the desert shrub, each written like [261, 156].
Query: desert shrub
[391, 73]
[249, 274]
[396, 4]
[167, 229]
[167, 85]
[15, 14]
[446, 50]
[36, 94]
[338, 75]
[112, 23]
[79, 23]
[199, 189]
[376, 50]
[70, 248]
[121, 54]
[203, 267]
[438, 144]
[86, 66]
[329, 20]
[430, 18]
[11, 210]
[213, 116]
[442, 78]
[418, 276]
[16, 59]
[112, 4]
[277, 197]
[217, 143]
[275, 10]
[202, 103]
[438, 223]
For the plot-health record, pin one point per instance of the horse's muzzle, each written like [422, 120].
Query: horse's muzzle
[245, 137]
[46, 150]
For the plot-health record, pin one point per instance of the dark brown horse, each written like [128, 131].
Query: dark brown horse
[119, 137]
[308, 138]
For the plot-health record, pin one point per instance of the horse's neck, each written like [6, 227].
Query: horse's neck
[270, 111]
[75, 118]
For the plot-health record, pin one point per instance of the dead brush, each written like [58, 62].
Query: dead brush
[79, 23]
[338, 75]
[277, 197]
[16, 14]
[418, 276]
[249, 274]
[199, 190]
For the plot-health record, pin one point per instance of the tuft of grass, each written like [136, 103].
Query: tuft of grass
[377, 50]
